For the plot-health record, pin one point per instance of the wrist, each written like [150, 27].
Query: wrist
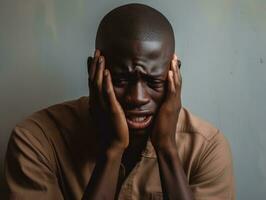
[114, 152]
[165, 146]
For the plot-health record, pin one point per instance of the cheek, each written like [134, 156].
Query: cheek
[157, 96]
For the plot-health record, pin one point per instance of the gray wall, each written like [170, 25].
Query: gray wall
[44, 45]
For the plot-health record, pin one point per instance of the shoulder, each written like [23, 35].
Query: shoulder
[38, 143]
[201, 141]
[64, 114]
[48, 125]
[195, 126]
[208, 157]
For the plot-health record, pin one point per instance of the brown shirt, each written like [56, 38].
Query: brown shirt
[51, 155]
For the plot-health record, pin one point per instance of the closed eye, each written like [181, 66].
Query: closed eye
[120, 81]
[155, 83]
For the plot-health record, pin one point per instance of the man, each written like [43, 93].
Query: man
[131, 139]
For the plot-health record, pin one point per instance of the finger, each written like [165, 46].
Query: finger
[89, 65]
[108, 86]
[178, 60]
[174, 69]
[99, 74]
[171, 85]
[89, 61]
[93, 65]
[179, 77]
[175, 57]
[177, 65]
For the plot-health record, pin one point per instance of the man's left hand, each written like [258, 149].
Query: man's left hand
[164, 129]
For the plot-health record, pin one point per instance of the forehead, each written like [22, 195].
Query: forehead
[151, 55]
[138, 48]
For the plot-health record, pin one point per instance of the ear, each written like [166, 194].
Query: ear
[179, 63]
[89, 61]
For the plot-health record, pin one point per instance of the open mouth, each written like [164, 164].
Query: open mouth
[139, 122]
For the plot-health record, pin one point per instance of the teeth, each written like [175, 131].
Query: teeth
[137, 119]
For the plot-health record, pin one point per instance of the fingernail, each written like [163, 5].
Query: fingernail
[100, 59]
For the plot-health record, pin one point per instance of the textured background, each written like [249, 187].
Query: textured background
[44, 45]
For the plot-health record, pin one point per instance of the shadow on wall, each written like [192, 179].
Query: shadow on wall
[38, 66]
[3, 186]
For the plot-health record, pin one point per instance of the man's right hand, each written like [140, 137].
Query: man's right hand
[107, 113]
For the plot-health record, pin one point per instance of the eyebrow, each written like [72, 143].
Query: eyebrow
[130, 74]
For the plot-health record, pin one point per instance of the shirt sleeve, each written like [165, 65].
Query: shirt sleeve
[28, 170]
[213, 178]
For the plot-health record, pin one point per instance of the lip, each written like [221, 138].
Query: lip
[139, 124]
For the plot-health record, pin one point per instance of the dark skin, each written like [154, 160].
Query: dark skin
[119, 97]
[131, 77]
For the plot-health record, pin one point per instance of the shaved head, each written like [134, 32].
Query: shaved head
[137, 43]
[134, 22]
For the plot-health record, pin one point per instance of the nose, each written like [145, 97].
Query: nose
[136, 95]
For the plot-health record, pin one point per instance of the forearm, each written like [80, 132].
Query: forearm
[173, 178]
[103, 182]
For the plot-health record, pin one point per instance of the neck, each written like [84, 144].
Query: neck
[132, 154]
[137, 143]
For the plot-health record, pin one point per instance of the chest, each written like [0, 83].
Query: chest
[142, 182]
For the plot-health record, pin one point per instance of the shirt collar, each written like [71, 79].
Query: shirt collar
[149, 151]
